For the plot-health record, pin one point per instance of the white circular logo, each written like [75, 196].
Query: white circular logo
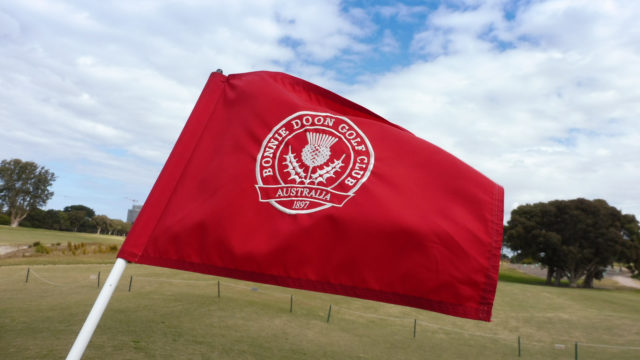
[311, 161]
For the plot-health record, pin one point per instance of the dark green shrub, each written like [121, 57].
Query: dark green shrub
[41, 249]
[4, 219]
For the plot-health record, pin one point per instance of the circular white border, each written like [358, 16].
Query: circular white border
[353, 189]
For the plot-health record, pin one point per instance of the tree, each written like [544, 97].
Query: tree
[24, 186]
[79, 215]
[59, 219]
[50, 219]
[102, 222]
[527, 234]
[35, 219]
[631, 232]
[119, 227]
[76, 217]
[89, 212]
[573, 238]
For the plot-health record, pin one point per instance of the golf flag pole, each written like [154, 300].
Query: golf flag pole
[80, 345]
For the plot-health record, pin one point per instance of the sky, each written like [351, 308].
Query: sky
[543, 97]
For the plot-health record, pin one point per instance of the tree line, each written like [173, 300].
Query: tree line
[25, 188]
[76, 218]
[574, 239]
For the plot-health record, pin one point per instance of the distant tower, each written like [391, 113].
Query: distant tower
[132, 213]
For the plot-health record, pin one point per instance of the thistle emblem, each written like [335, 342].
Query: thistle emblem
[314, 154]
[318, 151]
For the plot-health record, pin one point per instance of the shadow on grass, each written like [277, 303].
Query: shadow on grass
[516, 276]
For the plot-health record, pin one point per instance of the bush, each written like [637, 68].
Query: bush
[4, 219]
[98, 249]
[41, 249]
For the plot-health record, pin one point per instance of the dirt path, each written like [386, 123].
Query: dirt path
[5, 249]
[621, 276]
[627, 281]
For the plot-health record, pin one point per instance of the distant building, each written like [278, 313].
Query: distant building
[132, 213]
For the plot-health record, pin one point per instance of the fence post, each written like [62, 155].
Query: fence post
[329, 314]
[415, 323]
[27, 279]
[519, 347]
[291, 305]
[218, 288]
[130, 281]
[98, 279]
[576, 351]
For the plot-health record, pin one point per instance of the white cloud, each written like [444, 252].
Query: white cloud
[81, 79]
[580, 24]
[544, 102]
[404, 13]
[553, 114]
[9, 27]
[451, 31]
[323, 30]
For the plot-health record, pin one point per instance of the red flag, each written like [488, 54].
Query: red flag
[279, 181]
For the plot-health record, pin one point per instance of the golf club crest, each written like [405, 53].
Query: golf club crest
[311, 161]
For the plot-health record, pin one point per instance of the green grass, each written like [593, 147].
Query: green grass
[175, 314]
[183, 318]
[515, 276]
[21, 235]
[56, 259]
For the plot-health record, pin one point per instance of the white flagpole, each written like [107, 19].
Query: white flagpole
[80, 345]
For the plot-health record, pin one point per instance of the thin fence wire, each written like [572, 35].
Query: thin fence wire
[621, 347]
[424, 322]
[214, 282]
[32, 272]
[371, 315]
[174, 280]
[494, 336]
[421, 321]
[590, 312]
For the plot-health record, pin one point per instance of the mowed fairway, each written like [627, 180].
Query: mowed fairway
[21, 235]
[174, 314]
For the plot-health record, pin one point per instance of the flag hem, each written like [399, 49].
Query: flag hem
[495, 248]
[210, 90]
[482, 312]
